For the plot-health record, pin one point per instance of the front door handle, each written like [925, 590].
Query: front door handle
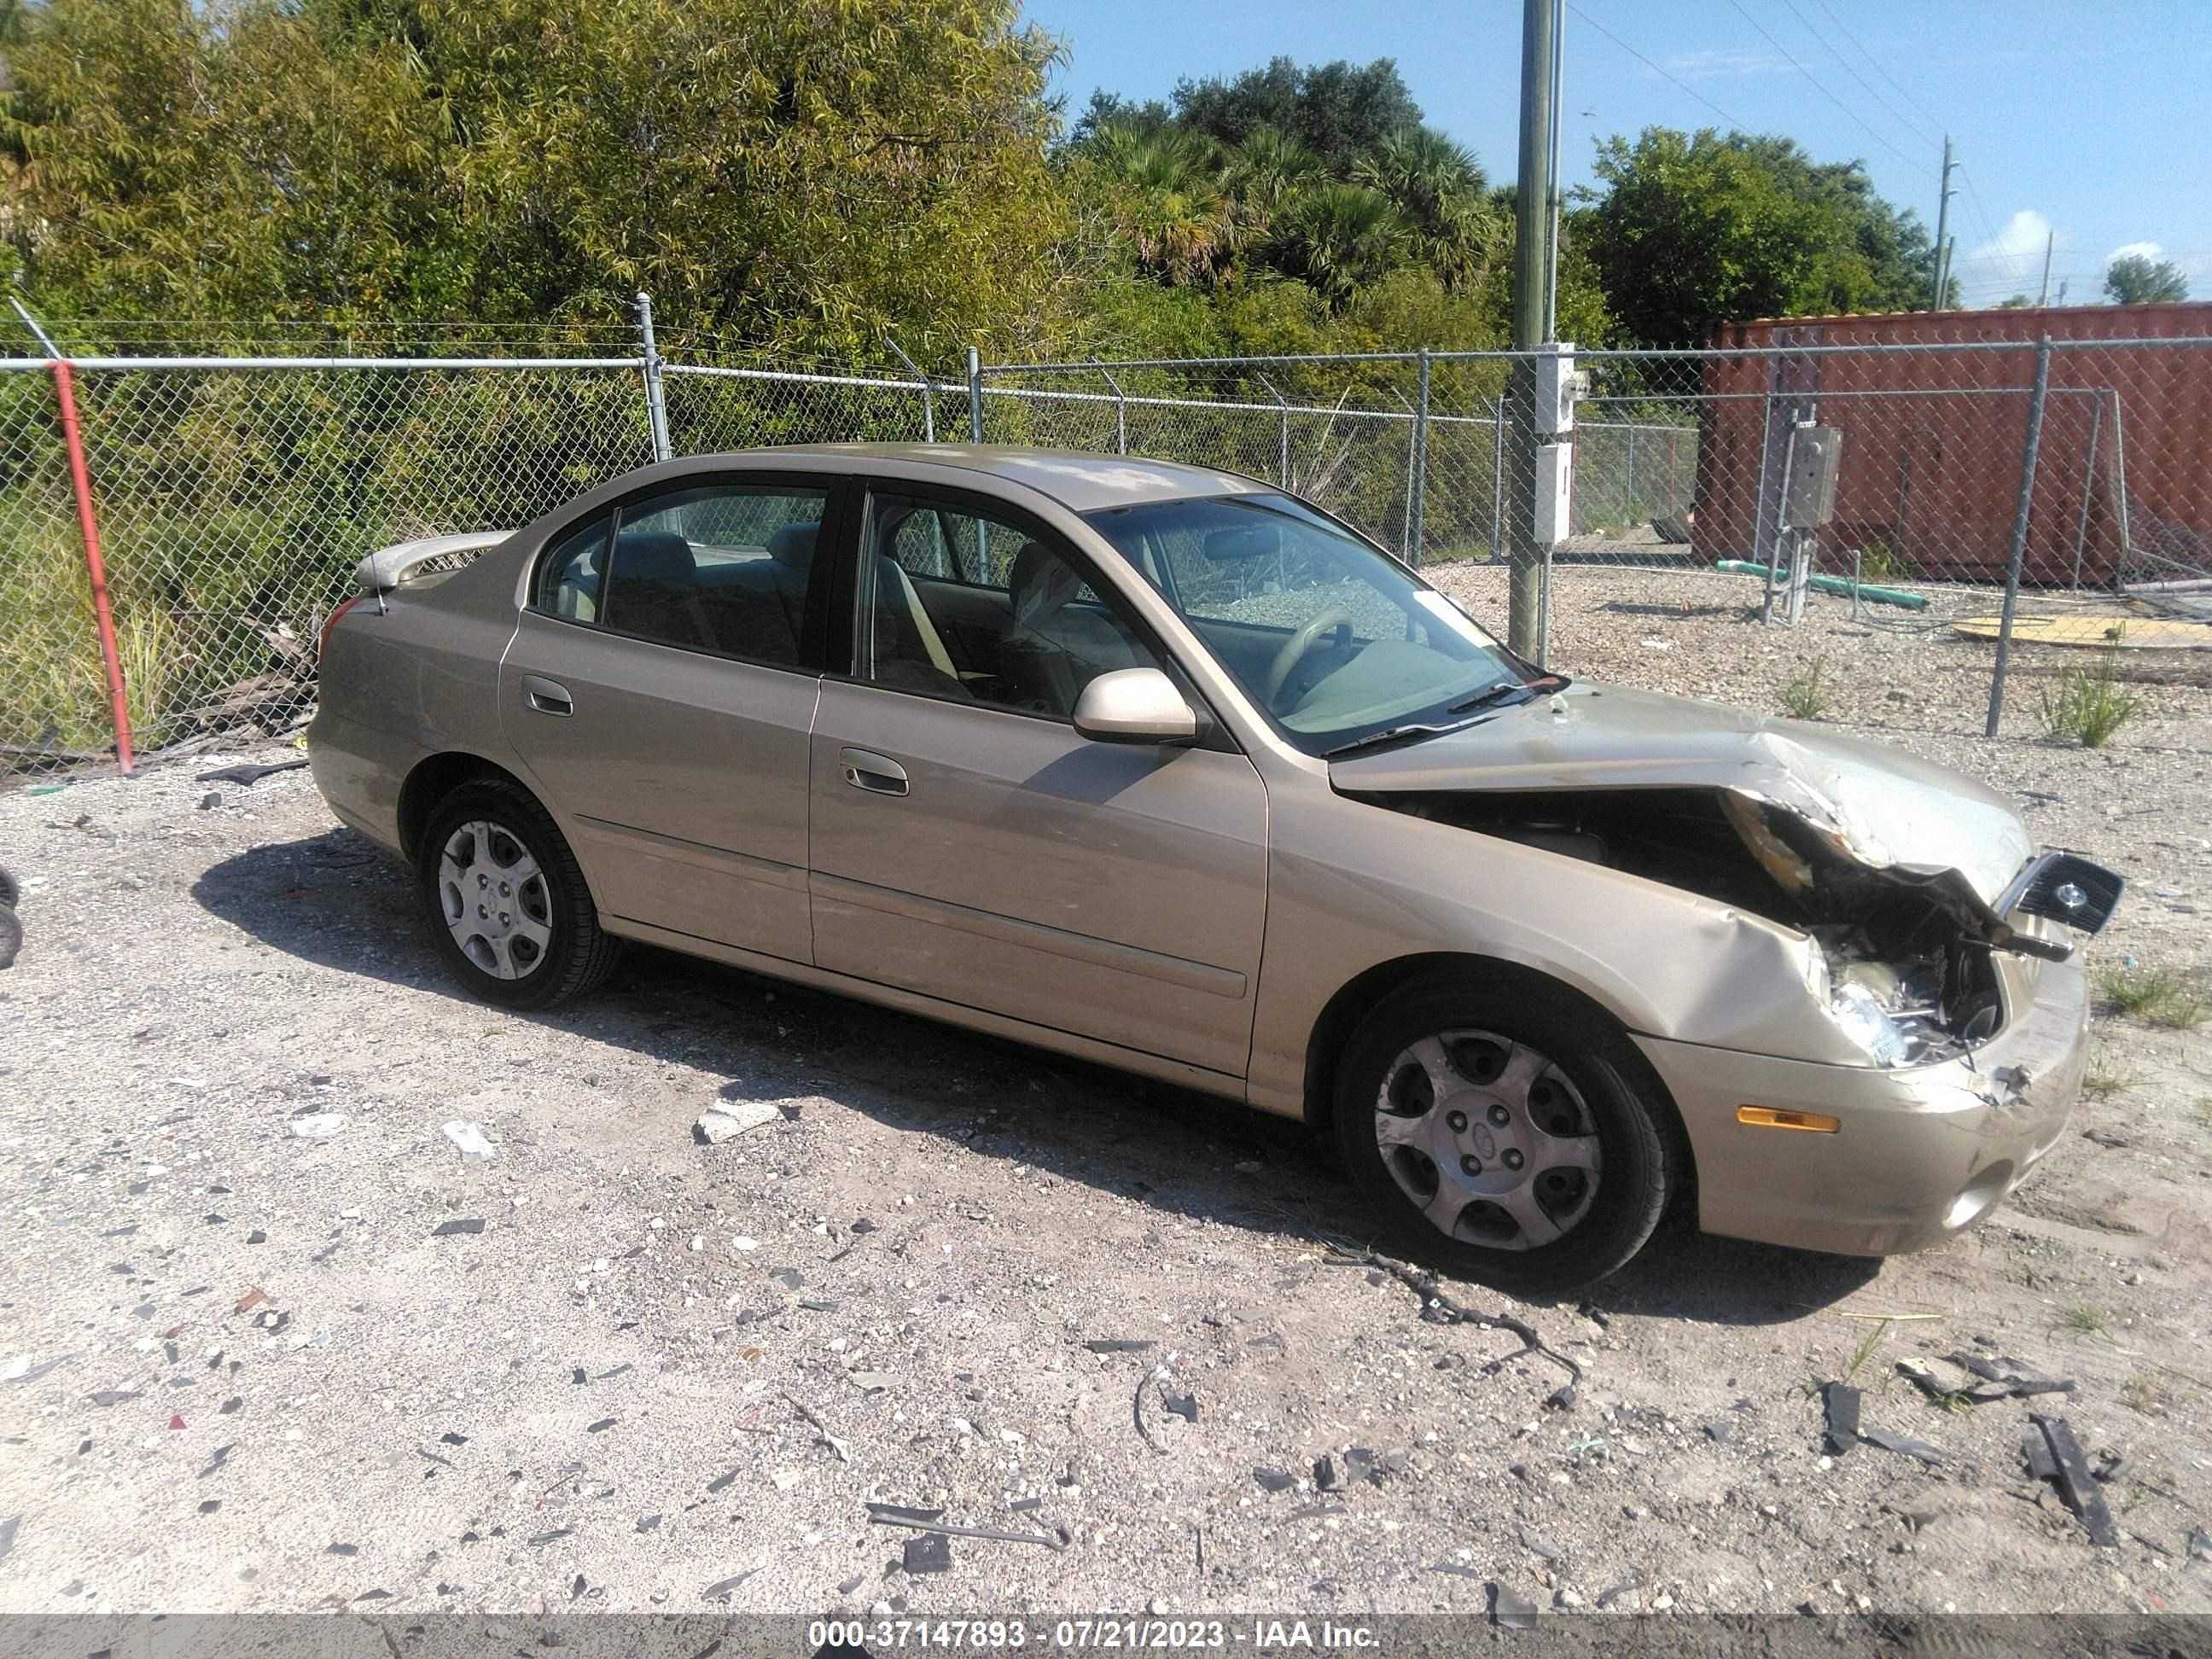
[875, 773]
[547, 696]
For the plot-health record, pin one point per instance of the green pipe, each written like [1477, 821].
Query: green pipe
[1828, 584]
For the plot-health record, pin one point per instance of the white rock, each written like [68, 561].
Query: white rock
[745, 1243]
[718, 1123]
[786, 1479]
[469, 1137]
[319, 1125]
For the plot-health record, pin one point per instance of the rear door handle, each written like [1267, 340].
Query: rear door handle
[875, 773]
[547, 696]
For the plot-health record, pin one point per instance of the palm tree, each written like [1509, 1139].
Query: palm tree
[1438, 189]
[1338, 238]
[1170, 203]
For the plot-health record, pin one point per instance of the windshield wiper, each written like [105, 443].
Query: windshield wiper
[1503, 689]
[1392, 734]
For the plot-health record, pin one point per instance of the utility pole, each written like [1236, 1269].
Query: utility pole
[1942, 228]
[2050, 241]
[1532, 283]
[1551, 278]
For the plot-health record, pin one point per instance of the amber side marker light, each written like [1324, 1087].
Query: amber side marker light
[1773, 1117]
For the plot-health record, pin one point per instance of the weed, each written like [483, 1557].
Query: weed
[2101, 1085]
[2154, 995]
[2089, 706]
[2141, 1393]
[1805, 698]
[1868, 1347]
[1882, 562]
[2083, 1318]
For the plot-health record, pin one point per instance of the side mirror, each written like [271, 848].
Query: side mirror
[1135, 705]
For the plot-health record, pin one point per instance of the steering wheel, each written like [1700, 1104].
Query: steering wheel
[1295, 647]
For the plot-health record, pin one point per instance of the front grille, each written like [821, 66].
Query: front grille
[2066, 887]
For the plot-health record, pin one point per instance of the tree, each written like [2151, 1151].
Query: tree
[797, 173]
[1439, 190]
[1339, 111]
[1338, 239]
[1690, 231]
[2018, 302]
[2136, 279]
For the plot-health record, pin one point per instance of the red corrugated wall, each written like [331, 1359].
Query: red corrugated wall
[1933, 440]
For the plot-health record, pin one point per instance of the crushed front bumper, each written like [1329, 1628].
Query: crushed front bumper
[1922, 1153]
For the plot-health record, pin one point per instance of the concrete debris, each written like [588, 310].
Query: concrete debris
[1510, 1612]
[319, 1125]
[472, 1223]
[469, 1137]
[718, 1123]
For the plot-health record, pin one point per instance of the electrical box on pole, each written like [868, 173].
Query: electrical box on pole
[1809, 501]
[1560, 384]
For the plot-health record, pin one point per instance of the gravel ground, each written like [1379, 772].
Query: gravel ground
[247, 1369]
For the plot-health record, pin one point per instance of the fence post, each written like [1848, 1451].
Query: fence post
[975, 395]
[1497, 477]
[1406, 525]
[2088, 484]
[656, 401]
[1120, 407]
[1283, 439]
[87, 523]
[928, 402]
[2036, 398]
[1420, 465]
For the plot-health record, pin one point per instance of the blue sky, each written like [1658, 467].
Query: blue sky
[2087, 120]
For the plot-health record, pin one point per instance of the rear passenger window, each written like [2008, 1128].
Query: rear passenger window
[569, 580]
[720, 568]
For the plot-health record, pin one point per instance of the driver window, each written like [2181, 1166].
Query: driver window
[970, 608]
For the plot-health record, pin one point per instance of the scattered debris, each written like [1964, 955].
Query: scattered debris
[246, 777]
[1456, 1570]
[1120, 1344]
[822, 1429]
[1437, 1308]
[8, 1534]
[2068, 1471]
[253, 1298]
[1274, 1479]
[210, 800]
[469, 1224]
[1326, 1478]
[602, 1424]
[930, 1553]
[870, 1382]
[1537, 1544]
[319, 1125]
[1184, 1405]
[469, 1137]
[1510, 1612]
[724, 1586]
[21, 1370]
[1899, 1442]
[257, 1237]
[1606, 1598]
[718, 1123]
[542, 1538]
[891, 1514]
[1999, 1379]
[1843, 1408]
[649, 1522]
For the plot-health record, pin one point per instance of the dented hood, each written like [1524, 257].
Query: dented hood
[1875, 805]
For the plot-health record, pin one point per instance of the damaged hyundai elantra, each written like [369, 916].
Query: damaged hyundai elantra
[1168, 769]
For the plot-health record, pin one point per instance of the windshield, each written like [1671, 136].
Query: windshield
[1336, 640]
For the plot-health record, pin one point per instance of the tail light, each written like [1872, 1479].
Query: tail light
[323, 645]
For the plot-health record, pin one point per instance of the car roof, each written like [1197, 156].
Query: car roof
[1080, 482]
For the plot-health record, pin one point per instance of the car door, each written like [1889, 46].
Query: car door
[969, 844]
[661, 687]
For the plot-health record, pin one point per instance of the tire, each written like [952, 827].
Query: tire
[546, 946]
[1594, 1177]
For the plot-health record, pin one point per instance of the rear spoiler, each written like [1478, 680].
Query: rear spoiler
[389, 566]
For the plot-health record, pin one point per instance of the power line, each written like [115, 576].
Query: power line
[1877, 66]
[1821, 85]
[1903, 119]
[1741, 127]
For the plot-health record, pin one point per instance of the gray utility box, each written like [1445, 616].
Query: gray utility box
[1816, 456]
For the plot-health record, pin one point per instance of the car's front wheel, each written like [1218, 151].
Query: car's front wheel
[1504, 1135]
[506, 901]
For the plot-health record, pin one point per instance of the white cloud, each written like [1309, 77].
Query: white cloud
[1717, 66]
[2023, 238]
[2128, 250]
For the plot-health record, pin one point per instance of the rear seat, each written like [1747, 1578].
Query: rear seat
[755, 609]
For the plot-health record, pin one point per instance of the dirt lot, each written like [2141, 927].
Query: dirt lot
[244, 1368]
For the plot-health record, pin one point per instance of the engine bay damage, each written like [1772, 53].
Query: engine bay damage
[1911, 977]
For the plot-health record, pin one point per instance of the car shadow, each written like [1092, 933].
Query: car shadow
[337, 901]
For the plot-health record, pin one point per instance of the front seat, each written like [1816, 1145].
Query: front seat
[1055, 647]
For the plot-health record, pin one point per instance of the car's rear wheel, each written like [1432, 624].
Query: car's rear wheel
[1504, 1136]
[506, 901]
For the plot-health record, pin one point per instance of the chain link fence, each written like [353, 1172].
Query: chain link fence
[237, 488]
